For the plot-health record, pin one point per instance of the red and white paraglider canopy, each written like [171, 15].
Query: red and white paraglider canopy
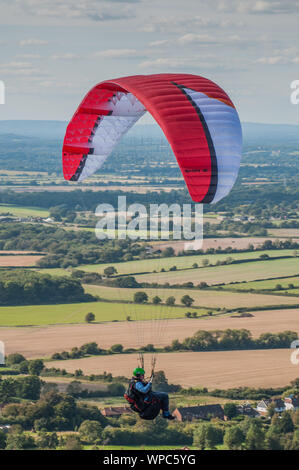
[197, 117]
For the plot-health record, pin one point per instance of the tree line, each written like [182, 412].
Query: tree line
[23, 287]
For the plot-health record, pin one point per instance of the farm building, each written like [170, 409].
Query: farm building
[115, 411]
[198, 412]
[291, 402]
[5, 427]
[263, 406]
[247, 410]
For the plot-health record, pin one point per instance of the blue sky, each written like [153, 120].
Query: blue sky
[52, 52]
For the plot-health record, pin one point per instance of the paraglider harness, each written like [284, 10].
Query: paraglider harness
[148, 407]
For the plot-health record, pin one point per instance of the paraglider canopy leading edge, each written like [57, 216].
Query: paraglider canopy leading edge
[197, 117]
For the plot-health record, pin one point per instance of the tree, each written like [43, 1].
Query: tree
[90, 317]
[202, 285]
[272, 440]
[19, 441]
[126, 282]
[49, 387]
[47, 440]
[160, 381]
[140, 297]
[234, 438]
[15, 358]
[187, 300]
[285, 424]
[23, 367]
[175, 345]
[72, 442]
[170, 300]
[230, 410]
[89, 348]
[207, 436]
[271, 410]
[74, 388]
[255, 437]
[188, 314]
[157, 300]
[29, 387]
[35, 366]
[109, 271]
[2, 440]
[117, 348]
[116, 389]
[90, 431]
[168, 252]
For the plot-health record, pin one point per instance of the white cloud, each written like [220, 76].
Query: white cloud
[177, 63]
[65, 56]
[118, 53]
[94, 10]
[29, 56]
[274, 60]
[278, 60]
[19, 69]
[258, 7]
[192, 38]
[158, 43]
[185, 23]
[33, 42]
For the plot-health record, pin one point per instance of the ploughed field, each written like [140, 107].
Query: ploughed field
[220, 369]
[18, 260]
[43, 341]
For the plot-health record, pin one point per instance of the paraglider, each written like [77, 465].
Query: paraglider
[197, 117]
[202, 127]
[143, 400]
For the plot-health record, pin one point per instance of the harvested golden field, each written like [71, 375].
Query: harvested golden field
[43, 341]
[221, 369]
[202, 298]
[285, 232]
[238, 243]
[19, 260]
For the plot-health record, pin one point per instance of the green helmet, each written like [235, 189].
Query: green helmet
[138, 371]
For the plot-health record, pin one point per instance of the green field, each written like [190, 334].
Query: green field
[75, 313]
[181, 262]
[267, 284]
[203, 298]
[225, 274]
[20, 211]
[289, 291]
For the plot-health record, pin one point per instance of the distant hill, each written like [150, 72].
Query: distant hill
[39, 129]
[265, 133]
[253, 132]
